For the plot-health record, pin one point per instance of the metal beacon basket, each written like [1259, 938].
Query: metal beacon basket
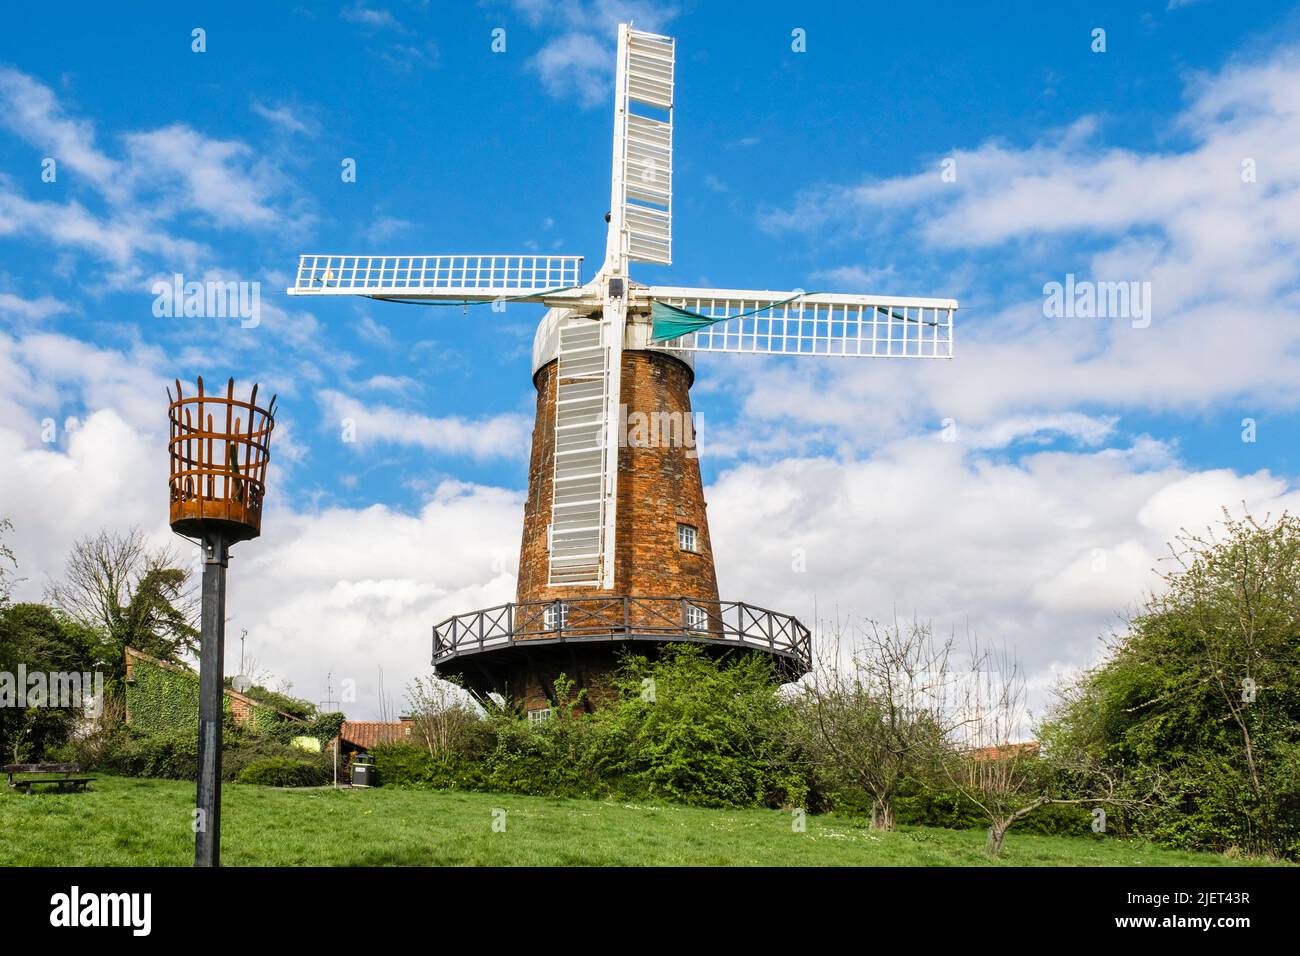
[219, 447]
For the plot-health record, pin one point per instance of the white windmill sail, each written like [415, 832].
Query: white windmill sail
[450, 278]
[641, 206]
[581, 508]
[799, 323]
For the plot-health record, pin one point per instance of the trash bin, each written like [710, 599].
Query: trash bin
[363, 771]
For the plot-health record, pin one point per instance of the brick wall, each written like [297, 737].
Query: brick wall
[658, 488]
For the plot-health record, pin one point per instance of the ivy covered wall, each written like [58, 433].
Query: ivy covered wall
[165, 698]
[161, 698]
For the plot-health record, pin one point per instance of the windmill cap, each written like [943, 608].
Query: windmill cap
[546, 341]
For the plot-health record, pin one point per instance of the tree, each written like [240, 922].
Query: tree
[135, 597]
[997, 767]
[442, 714]
[1204, 687]
[1237, 601]
[883, 717]
[34, 640]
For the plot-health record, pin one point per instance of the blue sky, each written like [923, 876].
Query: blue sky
[818, 170]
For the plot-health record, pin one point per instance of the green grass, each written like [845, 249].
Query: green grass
[123, 821]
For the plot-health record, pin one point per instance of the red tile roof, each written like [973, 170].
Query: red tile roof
[370, 733]
[1029, 748]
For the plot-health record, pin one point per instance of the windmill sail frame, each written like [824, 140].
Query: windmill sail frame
[641, 201]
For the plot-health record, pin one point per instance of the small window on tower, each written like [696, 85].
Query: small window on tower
[686, 537]
[697, 619]
[538, 716]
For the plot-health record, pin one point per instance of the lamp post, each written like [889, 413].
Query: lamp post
[218, 448]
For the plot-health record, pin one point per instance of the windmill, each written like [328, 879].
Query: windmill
[615, 546]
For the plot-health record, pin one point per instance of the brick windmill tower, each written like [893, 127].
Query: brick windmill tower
[616, 550]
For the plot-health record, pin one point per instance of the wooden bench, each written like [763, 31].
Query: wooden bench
[59, 775]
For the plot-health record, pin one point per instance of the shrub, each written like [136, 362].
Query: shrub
[1176, 697]
[244, 750]
[285, 772]
[133, 753]
[712, 736]
[407, 765]
[174, 755]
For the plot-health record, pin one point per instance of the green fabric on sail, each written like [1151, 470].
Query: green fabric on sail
[670, 322]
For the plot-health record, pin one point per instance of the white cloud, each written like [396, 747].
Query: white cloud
[290, 118]
[222, 178]
[31, 310]
[579, 61]
[31, 110]
[1222, 257]
[405, 57]
[163, 175]
[386, 227]
[1085, 429]
[498, 436]
[1042, 554]
[575, 64]
[391, 383]
[374, 333]
[119, 240]
[855, 277]
[370, 17]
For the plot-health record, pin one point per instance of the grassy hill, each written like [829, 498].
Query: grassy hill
[124, 821]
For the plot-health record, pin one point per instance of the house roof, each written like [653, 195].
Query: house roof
[1005, 751]
[372, 733]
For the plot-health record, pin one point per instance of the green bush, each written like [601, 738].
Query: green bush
[406, 765]
[134, 753]
[1170, 701]
[244, 750]
[174, 755]
[285, 772]
[324, 727]
[712, 736]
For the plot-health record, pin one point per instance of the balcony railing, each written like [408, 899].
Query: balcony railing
[586, 620]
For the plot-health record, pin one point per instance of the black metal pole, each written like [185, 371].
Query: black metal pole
[207, 824]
